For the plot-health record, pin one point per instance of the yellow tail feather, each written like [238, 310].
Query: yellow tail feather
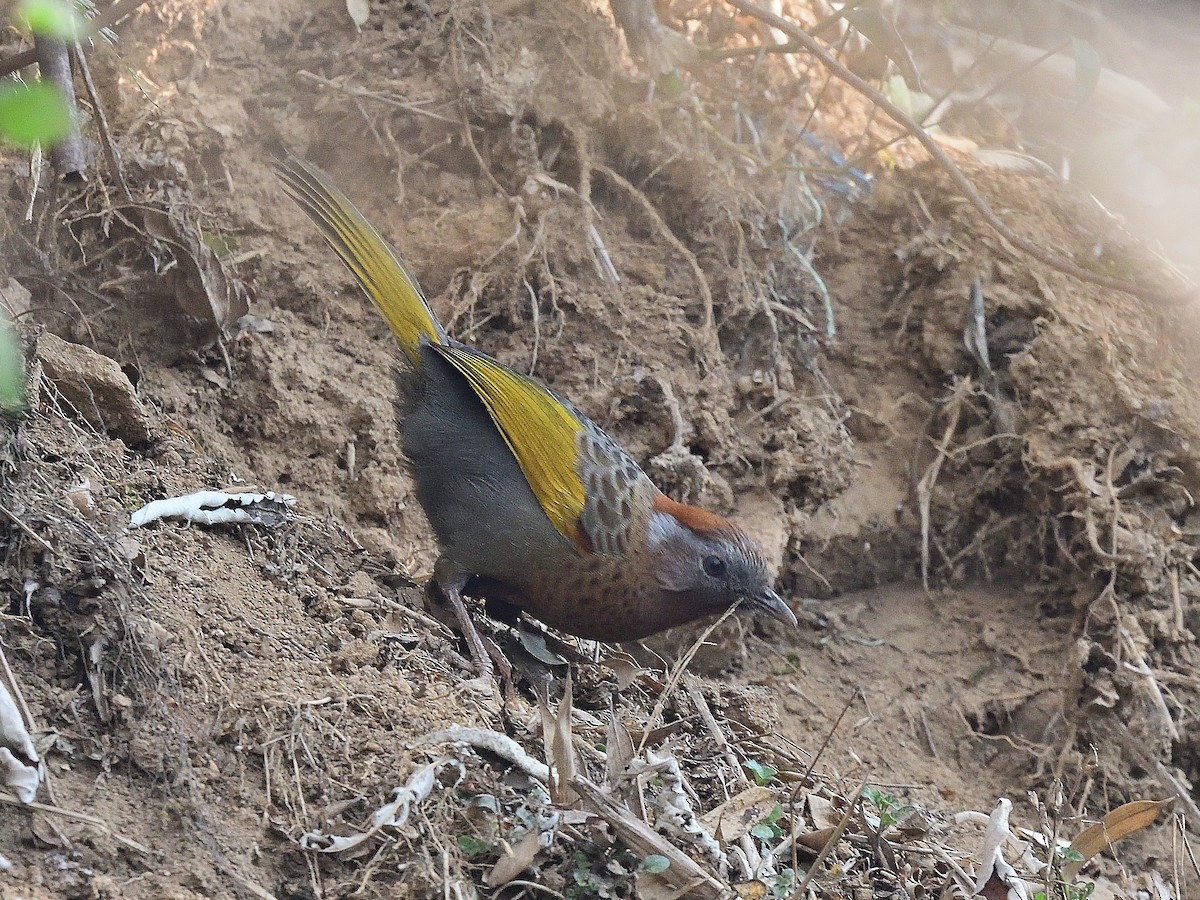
[538, 428]
[536, 425]
[378, 268]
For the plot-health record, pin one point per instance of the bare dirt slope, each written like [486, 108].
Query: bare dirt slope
[209, 695]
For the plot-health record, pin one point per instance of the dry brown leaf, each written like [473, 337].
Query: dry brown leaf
[994, 888]
[45, 831]
[558, 741]
[618, 748]
[564, 747]
[651, 886]
[624, 667]
[203, 288]
[516, 860]
[816, 840]
[656, 735]
[1120, 823]
[822, 812]
[737, 815]
[644, 841]
[751, 890]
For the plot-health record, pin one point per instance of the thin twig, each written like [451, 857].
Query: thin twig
[669, 236]
[1136, 749]
[12, 517]
[929, 480]
[942, 158]
[858, 692]
[95, 822]
[639, 837]
[483, 166]
[106, 19]
[676, 675]
[815, 868]
[111, 154]
[714, 728]
[355, 91]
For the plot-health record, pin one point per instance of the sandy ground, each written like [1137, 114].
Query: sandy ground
[209, 695]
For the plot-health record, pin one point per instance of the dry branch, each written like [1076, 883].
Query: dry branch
[54, 63]
[942, 158]
[106, 19]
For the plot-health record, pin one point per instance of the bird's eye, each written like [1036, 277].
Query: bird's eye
[714, 566]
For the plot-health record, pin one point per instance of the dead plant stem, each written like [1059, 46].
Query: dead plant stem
[942, 158]
[94, 821]
[669, 236]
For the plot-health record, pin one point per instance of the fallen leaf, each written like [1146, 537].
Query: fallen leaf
[737, 815]
[558, 741]
[625, 667]
[1120, 823]
[822, 812]
[203, 288]
[994, 888]
[816, 840]
[516, 860]
[535, 645]
[652, 886]
[751, 890]
[618, 748]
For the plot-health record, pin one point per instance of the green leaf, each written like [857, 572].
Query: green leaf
[220, 244]
[881, 801]
[895, 88]
[762, 772]
[654, 864]
[12, 371]
[891, 815]
[49, 18]
[765, 832]
[33, 113]
[473, 846]
[774, 815]
[1087, 69]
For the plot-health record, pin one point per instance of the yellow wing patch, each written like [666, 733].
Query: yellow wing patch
[538, 428]
[379, 269]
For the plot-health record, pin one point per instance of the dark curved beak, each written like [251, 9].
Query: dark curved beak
[773, 605]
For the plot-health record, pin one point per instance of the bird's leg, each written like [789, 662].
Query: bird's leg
[484, 651]
[452, 591]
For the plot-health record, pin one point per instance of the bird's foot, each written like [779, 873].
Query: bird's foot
[485, 654]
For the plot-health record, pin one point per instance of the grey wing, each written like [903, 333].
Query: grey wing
[618, 494]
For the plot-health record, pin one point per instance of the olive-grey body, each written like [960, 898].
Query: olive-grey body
[493, 532]
[468, 480]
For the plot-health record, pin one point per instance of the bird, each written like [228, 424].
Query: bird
[532, 504]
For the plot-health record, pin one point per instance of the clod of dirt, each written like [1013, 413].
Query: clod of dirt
[95, 387]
